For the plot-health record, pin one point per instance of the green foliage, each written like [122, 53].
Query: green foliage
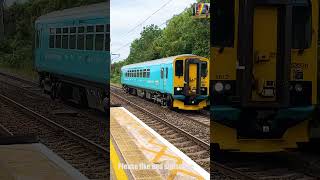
[183, 35]
[17, 50]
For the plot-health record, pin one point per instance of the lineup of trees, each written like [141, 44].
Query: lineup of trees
[182, 35]
[17, 49]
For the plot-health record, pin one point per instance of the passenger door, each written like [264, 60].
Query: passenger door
[265, 47]
[193, 75]
[162, 77]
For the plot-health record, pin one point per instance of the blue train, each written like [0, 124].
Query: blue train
[179, 82]
[72, 54]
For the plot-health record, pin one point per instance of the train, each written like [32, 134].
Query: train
[264, 74]
[180, 81]
[72, 54]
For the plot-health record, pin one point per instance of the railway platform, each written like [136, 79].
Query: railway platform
[138, 152]
[21, 158]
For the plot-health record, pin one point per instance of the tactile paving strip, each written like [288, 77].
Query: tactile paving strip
[141, 146]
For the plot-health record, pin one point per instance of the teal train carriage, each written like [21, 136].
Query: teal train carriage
[180, 82]
[72, 54]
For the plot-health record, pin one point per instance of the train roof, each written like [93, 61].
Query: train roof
[157, 61]
[98, 9]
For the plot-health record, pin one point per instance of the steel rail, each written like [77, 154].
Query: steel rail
[231, 172]
[190, 136]
[185, 116]
[92, 145]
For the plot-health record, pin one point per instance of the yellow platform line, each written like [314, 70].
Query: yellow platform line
[115, 161]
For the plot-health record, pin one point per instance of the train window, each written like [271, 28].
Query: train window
[179, 68]
[107, 42]
[65, 40]
[100, 28]
[148, 73]
[58, 41]
[52, 30]
[162, 73]
[58, 30]
[141, 73]
[144, 73]
[81, 29]
[80, 44]
[89, 41]
[222, 23]
[73, 30]
[90, 29]
[99, 42]
[167, 72]
[204, 70]
[58, 38]
[51, 41]
[108, 28]
[65, 30]
[301, 27]
[72, 42]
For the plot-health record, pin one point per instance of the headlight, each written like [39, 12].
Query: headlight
[227, 87]
[298, 87]
[218, 86]
[179, 89]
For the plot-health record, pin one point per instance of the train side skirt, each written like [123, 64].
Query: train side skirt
[138, 152]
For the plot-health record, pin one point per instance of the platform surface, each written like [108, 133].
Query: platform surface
[34, 162]
[138, 152]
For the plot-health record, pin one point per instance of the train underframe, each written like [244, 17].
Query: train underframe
[167, 100]
[84, 93]
[254, 130]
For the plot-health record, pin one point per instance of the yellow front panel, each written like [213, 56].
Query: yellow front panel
[193, 73]
[178, 81]
[265, 50]
[307, 61]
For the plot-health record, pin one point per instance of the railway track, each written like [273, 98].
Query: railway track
[85, 155]
[195, 123]
[90, 125]
[194, 147]
[275, 166]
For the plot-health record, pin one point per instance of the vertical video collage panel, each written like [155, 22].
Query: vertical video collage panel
[54, 89]
[159, 90]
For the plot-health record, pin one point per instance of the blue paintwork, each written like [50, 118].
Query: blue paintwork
[90, 65]
[155, 82]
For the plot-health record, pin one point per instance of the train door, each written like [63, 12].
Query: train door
[192, 77]
[165, 77]
[266, 35]
[162, 77]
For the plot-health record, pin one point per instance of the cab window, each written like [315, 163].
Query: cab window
[204, 69]
[222, 23]
[179, 68]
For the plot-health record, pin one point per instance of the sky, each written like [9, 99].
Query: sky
[127, 14]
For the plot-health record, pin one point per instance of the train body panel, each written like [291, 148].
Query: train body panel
[175, 81]
[266, 54]
[69, 57]
[72, 54]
